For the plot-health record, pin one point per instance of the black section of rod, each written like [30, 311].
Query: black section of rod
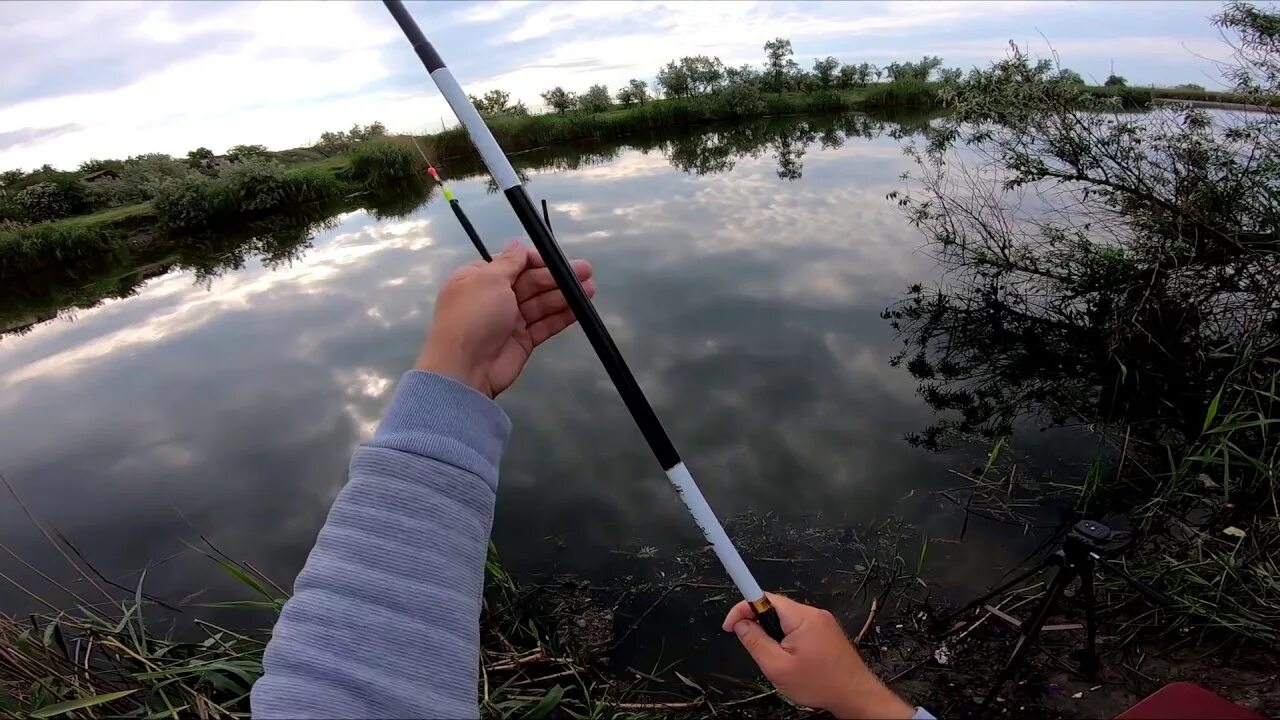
[614, 364]
[471, 231]
[430, 58]
[546, 217]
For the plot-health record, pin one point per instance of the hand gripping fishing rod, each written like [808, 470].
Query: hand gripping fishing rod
[589, 319]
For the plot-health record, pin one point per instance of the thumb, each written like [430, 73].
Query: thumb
[511, 261]
[763, 649]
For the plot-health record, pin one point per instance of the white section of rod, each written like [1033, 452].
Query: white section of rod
[714, 532]
[475, 126]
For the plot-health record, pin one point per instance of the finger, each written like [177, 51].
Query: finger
[790, 613]
[511, 261]
[549, 303]
[538, 280]
[549, 326]
[767, 653]
[741, 611]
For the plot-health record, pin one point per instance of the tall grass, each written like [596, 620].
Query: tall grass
[902, 94]
[33, 247]
[378, 164]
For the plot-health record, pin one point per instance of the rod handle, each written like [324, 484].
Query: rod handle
[767, 616]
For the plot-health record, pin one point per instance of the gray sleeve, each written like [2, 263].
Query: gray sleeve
[384, 620]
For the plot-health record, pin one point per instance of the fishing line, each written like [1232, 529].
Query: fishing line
[592, 326]
[453, 203]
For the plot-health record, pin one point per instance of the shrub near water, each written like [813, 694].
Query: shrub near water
[248, 188]
[376, 164]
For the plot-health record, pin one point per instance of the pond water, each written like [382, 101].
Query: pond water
[741, 271]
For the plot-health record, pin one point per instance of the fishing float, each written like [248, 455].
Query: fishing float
[593, 327]
[457, 206]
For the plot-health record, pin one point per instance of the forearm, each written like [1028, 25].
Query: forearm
[384, 621]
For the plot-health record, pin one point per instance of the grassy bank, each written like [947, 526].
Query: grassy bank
[244, 192]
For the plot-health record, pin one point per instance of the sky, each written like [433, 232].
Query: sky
[113, 79]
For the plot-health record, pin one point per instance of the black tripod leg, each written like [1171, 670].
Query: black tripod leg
[1089, 657]
[1060, 581]
[946, 620]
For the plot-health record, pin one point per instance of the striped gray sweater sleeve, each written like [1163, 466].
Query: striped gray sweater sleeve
[384, 620]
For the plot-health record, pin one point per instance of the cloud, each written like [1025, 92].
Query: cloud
[135, 77]
[26, 136]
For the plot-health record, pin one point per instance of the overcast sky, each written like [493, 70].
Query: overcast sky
[104, 79]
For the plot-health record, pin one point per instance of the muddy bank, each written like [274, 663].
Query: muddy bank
[651, 641]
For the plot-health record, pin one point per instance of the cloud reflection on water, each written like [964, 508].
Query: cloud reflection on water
[746, 305]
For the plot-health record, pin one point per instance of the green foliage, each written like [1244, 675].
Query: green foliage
[377, 164]
[91, 166]
[200, 153]
[918, 71]
[740, 99]
[559, 99]
[242, 152]
[1117, 271]
[1070, 76]
[498, 102]
[1115, 81]
[30, 248]
[335, 142]
[595, 99]
[902, 94]
[779, 64]
[635, 92]
[824, 72]
[52, 199]
[673, 80]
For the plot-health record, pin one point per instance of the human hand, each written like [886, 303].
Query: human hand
[490, 316]
[815, 665]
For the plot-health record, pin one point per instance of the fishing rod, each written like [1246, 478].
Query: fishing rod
[592, 326]
[457, 206]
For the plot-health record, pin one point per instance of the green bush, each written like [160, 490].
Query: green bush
[192, 202]
[310, 184]
[375, 164]
[902, 93]
[740, 100]
[53, 199]
[255, 185]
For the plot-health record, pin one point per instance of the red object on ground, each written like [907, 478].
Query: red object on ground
[1186, 701]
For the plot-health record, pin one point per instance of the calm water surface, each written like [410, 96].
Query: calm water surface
[746, 299]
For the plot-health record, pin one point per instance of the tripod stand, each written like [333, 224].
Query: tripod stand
[1080, 555]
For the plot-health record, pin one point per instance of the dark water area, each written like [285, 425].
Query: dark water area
[741, 270]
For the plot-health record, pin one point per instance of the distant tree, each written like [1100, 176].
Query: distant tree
[1070, 76]
[596, 99]
[847, 77]
[744, 74]
[496, 102]
[824, 71]
[95, 165]
[914, 71]
[706, 74]
[673, 78]
[1115, 81]
[778, 62]
[1189, 86]
[634, 92]
[9, 178]
[243, 152]
[200, 153]
[950, 75]
[559, 99]
[331, 143]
